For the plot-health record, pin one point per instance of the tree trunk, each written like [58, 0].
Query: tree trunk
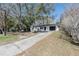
[5, 24]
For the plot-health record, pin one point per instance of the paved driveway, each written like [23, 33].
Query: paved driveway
[19, 46]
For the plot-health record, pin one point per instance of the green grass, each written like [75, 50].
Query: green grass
[7, 38]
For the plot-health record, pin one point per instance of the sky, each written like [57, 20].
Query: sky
[59, 8]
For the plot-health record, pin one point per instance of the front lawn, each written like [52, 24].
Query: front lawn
[8, 38]
[14, 36]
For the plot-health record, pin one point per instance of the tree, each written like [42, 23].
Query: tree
[17, 12]
[4, 8]
[70, 22]
[45, 11]
[38, 12]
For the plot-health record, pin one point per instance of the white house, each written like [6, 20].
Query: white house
[43, 28]
[43, 25]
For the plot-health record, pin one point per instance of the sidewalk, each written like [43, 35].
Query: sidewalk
[19, 46]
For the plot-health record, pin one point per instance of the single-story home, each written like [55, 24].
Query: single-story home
[43, 28]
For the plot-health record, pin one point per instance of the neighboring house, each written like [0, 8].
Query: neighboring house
[43, 25]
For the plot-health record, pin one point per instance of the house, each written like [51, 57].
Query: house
[44, 28]
[43, 25]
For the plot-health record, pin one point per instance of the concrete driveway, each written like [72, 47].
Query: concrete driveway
[19, 46]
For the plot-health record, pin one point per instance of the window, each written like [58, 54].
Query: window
[41, 27]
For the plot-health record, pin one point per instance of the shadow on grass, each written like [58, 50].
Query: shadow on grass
[77, 44]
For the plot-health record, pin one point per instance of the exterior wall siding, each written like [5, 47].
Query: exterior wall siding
[39, 29]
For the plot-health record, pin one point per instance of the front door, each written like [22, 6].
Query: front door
[44, 28]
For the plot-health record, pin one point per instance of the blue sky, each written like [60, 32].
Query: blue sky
[59, 8]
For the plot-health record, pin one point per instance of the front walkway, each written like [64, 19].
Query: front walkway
[17, 47]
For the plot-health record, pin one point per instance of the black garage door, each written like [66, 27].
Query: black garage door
[52, 28]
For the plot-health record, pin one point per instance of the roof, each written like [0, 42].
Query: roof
[44, 25]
